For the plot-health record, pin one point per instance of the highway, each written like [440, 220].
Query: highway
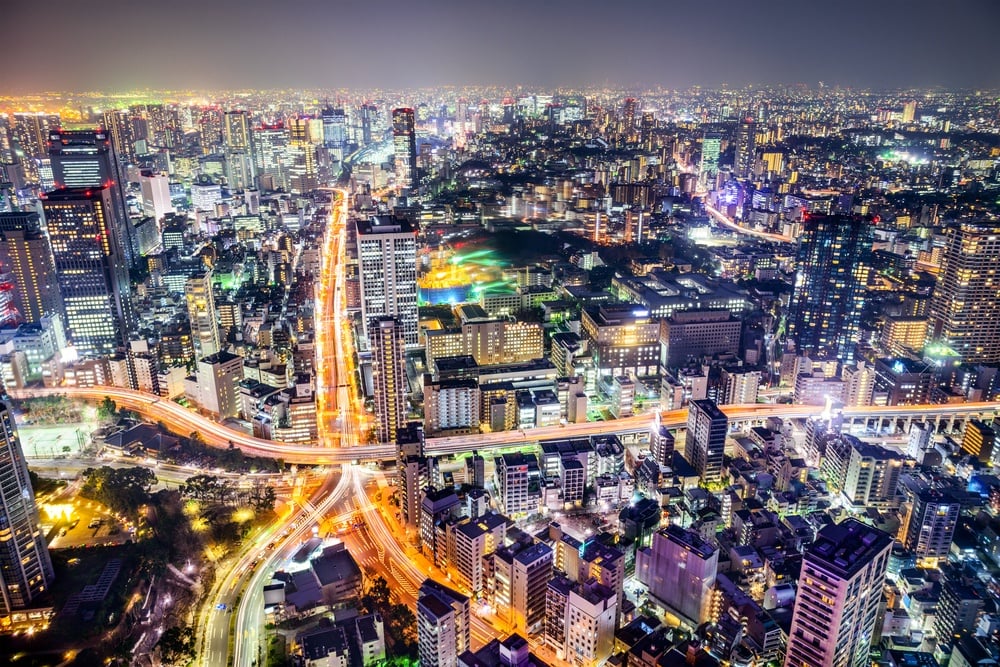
[724, 220]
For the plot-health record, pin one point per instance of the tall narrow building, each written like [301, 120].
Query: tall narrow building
[965, 307]
[834, 260]
[238, 147]
[746, 139]
[387, 258]
[25, 567]
[839, 596]
[90, 269]
[404, 142]
[442, 625]
[705, 442]
[118, 125]
[83, 159]
[388, 376]
[25, 253]
[201, 313]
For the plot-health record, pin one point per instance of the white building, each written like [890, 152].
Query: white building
[442, 625]
[387, 262]
[218, 377]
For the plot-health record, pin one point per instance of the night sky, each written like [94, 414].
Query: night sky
[121, 44]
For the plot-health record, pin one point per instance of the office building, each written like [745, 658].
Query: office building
[155, 188]
[929, 522]
[25, 253]
[679, 568]
[28, 133]
[521, 575]
[746, 143]
[490, 342]
[219, 376]
[839, 597]
[238, 147]
[588, 622]
[25, 567]
[903, 381]
[691, 335]
[90, 269]
[387, 257]
[302, 170]
[623, 339]
[705, 442]
[118, 127]
[965, 306]
[389, 383]
[518, 483]
[711, 146]
[834, 259]
[471, 540]
[979, 440]
[404, 143]
[201, 314]
[88, 159]
[443, 628]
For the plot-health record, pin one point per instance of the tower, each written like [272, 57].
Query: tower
[26, 254]
[118, 126]
[705, 441]
[711, 145]
[834, 259]
[746, 138]
[404, 142]
[25, 567]
[839, 596]
[389, 381]
[90, 269]
[238, 143]
[201, 314]
[965, 307]
[89, 159]
[387, 256]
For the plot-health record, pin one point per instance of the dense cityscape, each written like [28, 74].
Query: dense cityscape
[500, 375]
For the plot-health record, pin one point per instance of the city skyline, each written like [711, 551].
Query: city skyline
[864, 44]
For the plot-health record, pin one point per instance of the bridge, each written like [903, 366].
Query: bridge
[947, 417]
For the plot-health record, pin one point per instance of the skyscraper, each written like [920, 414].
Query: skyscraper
[965, 307]
[705, 441]
[930, 522]
[387, 256]
[711, 145]
[839, 595]
[201, 313]
[25, 567]
[90, 269]
[83, 159]
[834, 259]
[25, 253]
[29, 132]
[442, 624]
[404, 142]
[118, 125]
[238, 145]
[388, 375]
[303, 175]
[746, 139]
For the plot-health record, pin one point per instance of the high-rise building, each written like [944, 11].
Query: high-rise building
[387, 256]
[930, 521]
[680, 568]
[442, 624]
[517, 480]
[269, 146]
[711, 145]
[404, 142]
[91, 269]
[25, 253]
[88, 159]
[29, 132]
[746, 142]
[958, 609]
[219, 376]
[705, 442]
[25, 567]
[521, 577]
[839, 596]
[118, 125]
[238, 146]
[303, 174]
[155, 194]
[389, 383]
[834, 259]
[201, 314]
[965, 306]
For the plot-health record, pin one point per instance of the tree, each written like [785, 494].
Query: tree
[177, 645]
[107, 409]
